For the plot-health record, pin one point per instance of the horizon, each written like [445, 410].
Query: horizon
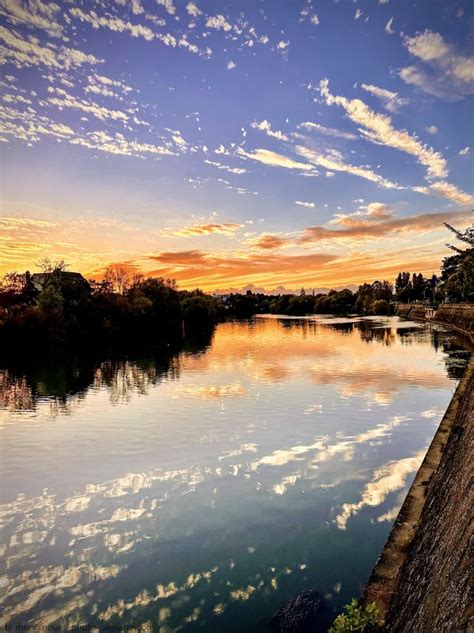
[238, 148]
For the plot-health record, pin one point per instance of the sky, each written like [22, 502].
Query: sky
[230, 145]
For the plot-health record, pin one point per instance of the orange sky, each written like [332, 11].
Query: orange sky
[350, 249]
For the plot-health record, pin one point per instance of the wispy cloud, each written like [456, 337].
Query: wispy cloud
[445, 73]
[327, 131]
[390, 100]
[274, 159]
[378, 129]
[374, 227]
[229, 229]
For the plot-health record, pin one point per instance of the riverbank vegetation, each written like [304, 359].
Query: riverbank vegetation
[58, 307]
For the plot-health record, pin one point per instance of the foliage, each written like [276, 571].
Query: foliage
[64, 309]
[357, 618]
[457, 271]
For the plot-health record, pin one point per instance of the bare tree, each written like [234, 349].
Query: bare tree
[119, 278]
[49, 266]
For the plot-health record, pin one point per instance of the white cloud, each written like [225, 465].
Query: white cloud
[168, 5]
[193, 9]
[231, 65]
[432, 129]
[66, 100]
[314, 19]
[336, 163]
[444, 189]
[358, 14]
[218, 22]
[231, 170]
[266, 127]
[268, 157]
[113, 23]
[387, 479]
[282, 45]
[390, 100]
[388, 27]
[378, 129]
[22, 53]
[448, 75]
[464, 152]
[35, 13]
[308, 205]
[328, 131]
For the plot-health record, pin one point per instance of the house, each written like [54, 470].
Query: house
[74, 281]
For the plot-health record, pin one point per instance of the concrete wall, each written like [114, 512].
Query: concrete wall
[434, 585]
[456, 315]
[422, 579]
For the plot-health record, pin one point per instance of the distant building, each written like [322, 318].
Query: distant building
[73, 280]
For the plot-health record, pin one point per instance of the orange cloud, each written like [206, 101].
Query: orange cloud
[197, 230]
[269, 241]
[355, 229]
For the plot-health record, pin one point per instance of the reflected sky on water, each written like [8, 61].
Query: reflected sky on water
[196, 491]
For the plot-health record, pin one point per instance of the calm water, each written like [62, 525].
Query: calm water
[198, 491]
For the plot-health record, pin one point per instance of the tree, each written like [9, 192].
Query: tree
[119, 278]
[49, 266]
[457, 270]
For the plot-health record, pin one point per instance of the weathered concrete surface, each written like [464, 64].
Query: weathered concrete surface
[457, 316]
[422, 579]
[434, 587]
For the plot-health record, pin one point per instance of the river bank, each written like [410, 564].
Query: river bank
[422, 577]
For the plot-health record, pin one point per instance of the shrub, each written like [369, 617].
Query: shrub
[357, 619]
[381, 306]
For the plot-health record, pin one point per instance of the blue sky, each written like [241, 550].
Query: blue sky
[276, 143]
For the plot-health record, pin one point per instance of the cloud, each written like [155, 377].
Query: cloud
[193, 9]
[328, 131]
[229, 229]
[66, 100]
[446, 190]
[432, 129]
[388, 27]
[446, 74]
[357, 14]
[465, 151]
[231, 170]
[168, 5]
[373, 212]
[268, 157]
[34, 13]
[308, 205]
[200, 269]
[218, 22]
[282, 45]
[269, 241]
[231, 65]
[266, 127]
[24, 52]
[376, 226]
[378, 129]
[390, 477]
[113, 23]
[336, 163]
[390, 100]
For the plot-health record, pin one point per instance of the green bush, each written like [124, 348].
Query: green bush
[357, 618]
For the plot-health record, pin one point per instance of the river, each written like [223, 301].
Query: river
[197, 490]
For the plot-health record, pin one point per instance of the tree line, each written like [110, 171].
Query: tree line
[57, 307]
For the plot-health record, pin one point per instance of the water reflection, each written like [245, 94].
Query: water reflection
[196, 490]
